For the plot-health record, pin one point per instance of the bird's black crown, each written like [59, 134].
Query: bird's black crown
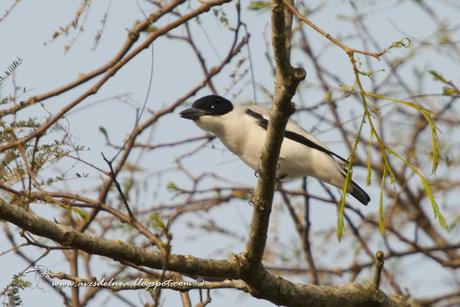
[213, 105]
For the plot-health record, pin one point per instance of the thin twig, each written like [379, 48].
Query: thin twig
[118, 187]
[379, 256]
[348, 50]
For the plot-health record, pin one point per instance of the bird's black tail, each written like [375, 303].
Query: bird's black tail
[357, 192]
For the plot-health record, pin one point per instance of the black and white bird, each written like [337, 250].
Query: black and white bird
[242, 130]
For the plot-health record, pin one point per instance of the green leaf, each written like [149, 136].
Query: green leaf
[449, 91]
[343, 199]
[81, 213]
[171, 186]
[259, 5]
[402, 43]
[439, 77]
[104, 133]
[369, 159]
[327, 96]
[426, 113]
[157, 221]
[429, 193]
[436, 76]
[381, 218]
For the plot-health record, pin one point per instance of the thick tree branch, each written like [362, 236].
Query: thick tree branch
[115, 249]
[287, 79]
[273, 288]
[282, 292]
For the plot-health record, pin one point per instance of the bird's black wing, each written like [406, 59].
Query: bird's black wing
[263, 122]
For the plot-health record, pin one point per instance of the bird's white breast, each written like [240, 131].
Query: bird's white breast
[238, 132]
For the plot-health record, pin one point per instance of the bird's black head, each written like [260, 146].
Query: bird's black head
[208, 105]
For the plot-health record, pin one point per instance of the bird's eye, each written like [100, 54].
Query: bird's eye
[213, 106]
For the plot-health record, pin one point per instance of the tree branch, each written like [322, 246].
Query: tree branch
[287, 80]
[115, 249]
[112, 71]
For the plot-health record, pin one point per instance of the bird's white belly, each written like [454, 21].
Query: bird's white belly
[296, 160]
[247, 149]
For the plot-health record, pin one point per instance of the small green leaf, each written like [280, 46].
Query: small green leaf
[369, 158]
[426, 113]
[343, 199]
[81, 213]
[157, 221]
[436, 76]
[402, 43]
[347, 90]
[327, 96]
[381, 217]
[171, 186]
[258, 5]
[104, 133]
[429, 193]
[439, 77]
[449, 91]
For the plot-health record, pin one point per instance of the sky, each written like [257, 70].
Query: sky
[26, 33]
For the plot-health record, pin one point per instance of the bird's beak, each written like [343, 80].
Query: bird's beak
[192, 113]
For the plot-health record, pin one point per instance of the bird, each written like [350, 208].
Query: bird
[242, 129]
